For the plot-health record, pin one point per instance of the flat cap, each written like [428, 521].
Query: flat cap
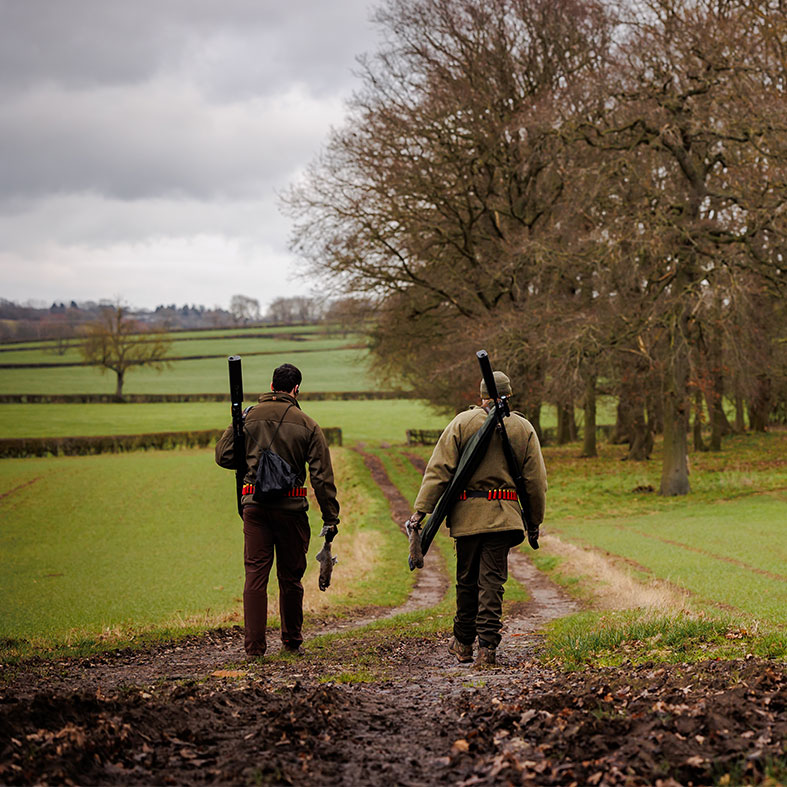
[503, 385]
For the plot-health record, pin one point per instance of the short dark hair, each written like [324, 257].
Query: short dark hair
[286, 377]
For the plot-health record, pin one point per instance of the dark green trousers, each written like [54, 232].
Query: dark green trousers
[481, 572]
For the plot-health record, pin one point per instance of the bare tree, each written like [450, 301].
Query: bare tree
[693, 111]
[244, 309]
[117, 343]
[434, 198]
[294, 309]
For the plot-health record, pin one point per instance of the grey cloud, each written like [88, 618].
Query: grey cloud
[90, 219]
[140, 139]
[236, 45]
[155, 139]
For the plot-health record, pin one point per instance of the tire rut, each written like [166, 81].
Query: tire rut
[431, 581]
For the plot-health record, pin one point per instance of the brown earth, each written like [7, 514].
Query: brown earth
[377, 708]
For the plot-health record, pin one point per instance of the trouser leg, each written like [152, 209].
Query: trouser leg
[258, 548]
[467, 566]
[292, 546]
[492, 575]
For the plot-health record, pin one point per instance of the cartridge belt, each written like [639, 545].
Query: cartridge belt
[491, 494]
[296, 491]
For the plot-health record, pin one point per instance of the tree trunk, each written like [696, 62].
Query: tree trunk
[740, 418]
[675, 466]
[760, 404]
[699, 445]
[589, 436]
[119, 386]
[534, 416]
[655, 412]
[622, 420]
[565, 413]
[640, 438]
[720, 426]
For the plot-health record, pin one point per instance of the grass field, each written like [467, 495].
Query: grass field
[331, 370]
[365, 420]
[733, 555]
[219, 346]
[216, 333]
[93, 546]
[726, 543]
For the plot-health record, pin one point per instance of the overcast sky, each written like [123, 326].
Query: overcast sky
[143, 144]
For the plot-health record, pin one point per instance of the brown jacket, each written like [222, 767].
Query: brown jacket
[299, 442]
[478, 515]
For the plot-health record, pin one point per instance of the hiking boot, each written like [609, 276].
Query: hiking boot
[463, 653]
[485, 657]
[293, 651]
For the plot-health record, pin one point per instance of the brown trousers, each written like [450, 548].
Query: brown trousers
[266, 532]
[481, 572]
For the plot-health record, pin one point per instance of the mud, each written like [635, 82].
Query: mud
[436, 723]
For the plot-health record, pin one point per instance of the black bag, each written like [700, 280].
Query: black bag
[275, 477]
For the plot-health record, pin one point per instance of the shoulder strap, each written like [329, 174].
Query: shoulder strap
[278, 426]
[275, 432]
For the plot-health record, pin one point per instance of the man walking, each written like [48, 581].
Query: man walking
[278, 524]
[485, 520]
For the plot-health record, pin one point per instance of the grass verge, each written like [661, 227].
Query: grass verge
[613, 638]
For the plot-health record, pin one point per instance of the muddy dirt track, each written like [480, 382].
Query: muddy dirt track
[195, 713]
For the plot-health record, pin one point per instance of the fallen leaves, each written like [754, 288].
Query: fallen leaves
[667, 726]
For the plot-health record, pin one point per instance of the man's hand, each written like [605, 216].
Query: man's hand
[329, 532]
[414, 522]
[532, 537]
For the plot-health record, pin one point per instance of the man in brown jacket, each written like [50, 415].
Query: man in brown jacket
[485, 521]
[280, 524]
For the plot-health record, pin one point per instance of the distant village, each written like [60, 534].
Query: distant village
[61, 320]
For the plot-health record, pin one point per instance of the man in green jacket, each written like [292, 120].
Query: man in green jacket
[485, 521]
[280, 524]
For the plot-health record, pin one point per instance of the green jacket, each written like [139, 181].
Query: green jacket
[299, 442]
[478, 515]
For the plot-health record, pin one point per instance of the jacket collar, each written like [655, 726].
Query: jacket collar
[279, 396]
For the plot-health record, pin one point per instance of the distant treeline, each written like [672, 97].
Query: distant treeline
[61, 321]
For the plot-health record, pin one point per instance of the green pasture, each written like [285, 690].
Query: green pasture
[734, 554]
[363, 420]
[221, 346]
[95, 545]
[326, 370]
[91, 543]
[385, 420]
[613, 639]
[259, 330]
[605, 486]
[293, 331]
